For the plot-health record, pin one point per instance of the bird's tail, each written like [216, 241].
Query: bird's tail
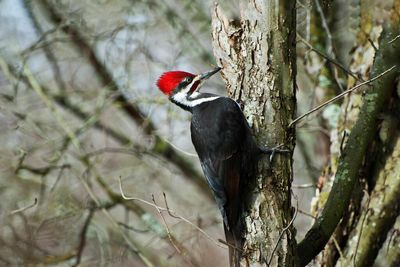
[235, 242]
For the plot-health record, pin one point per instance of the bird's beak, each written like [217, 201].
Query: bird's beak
[204, 76]
[208, 74]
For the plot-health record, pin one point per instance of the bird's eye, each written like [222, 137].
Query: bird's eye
[188, 79]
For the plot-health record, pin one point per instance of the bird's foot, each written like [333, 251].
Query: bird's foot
[273, 150]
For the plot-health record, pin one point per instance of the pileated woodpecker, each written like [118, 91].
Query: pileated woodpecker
[224, 143]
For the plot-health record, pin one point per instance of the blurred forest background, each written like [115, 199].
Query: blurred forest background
[79, 112]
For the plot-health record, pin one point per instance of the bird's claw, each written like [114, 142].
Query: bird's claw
[274, 150]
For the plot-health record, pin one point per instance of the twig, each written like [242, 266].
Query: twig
[307, 214]
[394, 39]
[338, 247]
[303, 185]
[37, 44]
[134, 112]
[132, 228]
[230, 245]
[342, 141]
[166, 205]
[35, 85]
[340, 96]
[283, 231]
[349, 72]
[393, 234]
[82, 240]
[372, 44]
[25, 208]
[121, 150]
[325, 26]
[169, 212]
[181, 150]
[126, 238]
[47, 50]
[169, 234]
[166, 226]
[329, 46]
[47, 101]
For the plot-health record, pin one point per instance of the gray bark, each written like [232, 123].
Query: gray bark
[257, 53]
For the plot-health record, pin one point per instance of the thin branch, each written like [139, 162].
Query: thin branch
[171, 212]
[168, 209]
[50, 104]
[82, 239]
[47, 50]
[24, 208]
[161, 147]
[338, 248]
[394, 39]
[395, 233]
[307, 214]
[329, 46]
[119, 198]
[129, 227]
[129, 242]
[325, 26]
[283, 231]
[341, 95]
[373, 44]
[333, 61]
[119, 150]
[301, 186]
[169, 234]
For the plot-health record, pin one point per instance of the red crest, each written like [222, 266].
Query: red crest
[168, 81]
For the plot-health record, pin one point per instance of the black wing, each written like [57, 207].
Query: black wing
[218, 132]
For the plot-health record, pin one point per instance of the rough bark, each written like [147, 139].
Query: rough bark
[257, 53]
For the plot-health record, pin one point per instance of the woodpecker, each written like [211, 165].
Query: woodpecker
[224, 143]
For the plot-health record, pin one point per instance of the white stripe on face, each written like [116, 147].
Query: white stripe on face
[186, 90]
[182, 98]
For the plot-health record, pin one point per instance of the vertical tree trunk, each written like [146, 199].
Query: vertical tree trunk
[257, 53]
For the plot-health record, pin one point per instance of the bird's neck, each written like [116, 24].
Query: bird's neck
[188, 102]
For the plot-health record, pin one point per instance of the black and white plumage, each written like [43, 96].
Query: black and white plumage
[224, 143]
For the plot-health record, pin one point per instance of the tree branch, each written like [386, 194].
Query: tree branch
[333, 99]
[353, 154]
[161, 147]
[380, 212]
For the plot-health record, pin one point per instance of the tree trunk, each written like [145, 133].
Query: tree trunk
[257, 53]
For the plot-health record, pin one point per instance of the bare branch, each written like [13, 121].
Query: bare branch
[171, 239]
[283, 231]
[160, 147]
[82, 238]
[333, 61]
[171, 212]
[24, 208]
[341, 95]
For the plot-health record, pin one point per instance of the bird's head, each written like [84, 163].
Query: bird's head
[183, 83]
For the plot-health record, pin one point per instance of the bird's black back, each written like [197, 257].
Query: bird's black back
[227, 152]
